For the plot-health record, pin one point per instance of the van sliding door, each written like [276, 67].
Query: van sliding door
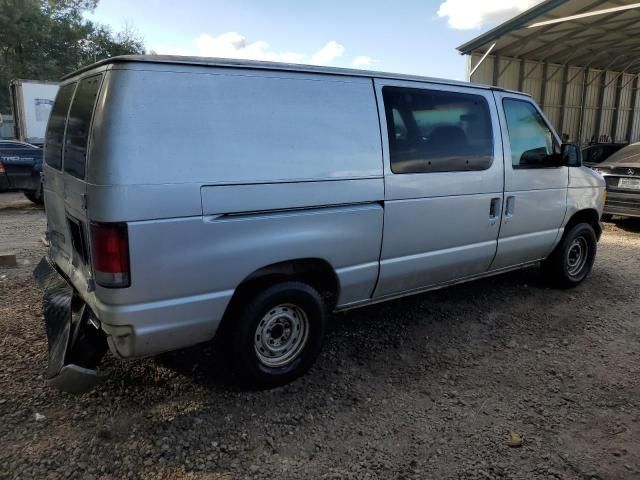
[443, 166]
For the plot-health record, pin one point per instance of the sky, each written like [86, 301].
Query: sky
[403, 36]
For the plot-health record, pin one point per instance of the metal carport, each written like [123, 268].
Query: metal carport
[579, 59]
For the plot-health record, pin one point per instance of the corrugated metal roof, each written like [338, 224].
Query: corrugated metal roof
[608, 38]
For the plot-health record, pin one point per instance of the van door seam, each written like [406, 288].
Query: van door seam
[504, 179]
[384, 188]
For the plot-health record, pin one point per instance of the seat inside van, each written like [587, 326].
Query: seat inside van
[438, 132]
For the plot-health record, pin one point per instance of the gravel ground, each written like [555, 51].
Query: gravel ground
[431, 386]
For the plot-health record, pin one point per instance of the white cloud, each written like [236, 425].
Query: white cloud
[327, 54]
[235, 45]
[469, 14]
[364, 61]
[163, 50]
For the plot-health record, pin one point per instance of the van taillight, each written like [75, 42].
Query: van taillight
[1, 168]
[110, 253]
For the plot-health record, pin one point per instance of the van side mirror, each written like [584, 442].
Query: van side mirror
[570, 155]
[538, 157]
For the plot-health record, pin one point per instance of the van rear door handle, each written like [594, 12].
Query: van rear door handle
[494, 208]
[511, 206]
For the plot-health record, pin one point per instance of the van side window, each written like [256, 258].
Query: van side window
[55, 128]
[530, 138]
[437, 131]
[75, 152]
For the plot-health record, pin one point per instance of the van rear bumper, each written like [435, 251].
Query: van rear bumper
[144, 329]
[76, 346]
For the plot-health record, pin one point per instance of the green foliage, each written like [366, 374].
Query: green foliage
[46, 39]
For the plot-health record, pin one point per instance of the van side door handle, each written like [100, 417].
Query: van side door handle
[494, 209]
[511, 206]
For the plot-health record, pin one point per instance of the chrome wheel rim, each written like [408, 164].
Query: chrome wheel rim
[577, 255]
[281, 335]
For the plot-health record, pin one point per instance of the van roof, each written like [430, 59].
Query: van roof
[277, 66]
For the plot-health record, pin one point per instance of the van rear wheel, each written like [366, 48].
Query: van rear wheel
[278, 334]
[572, 259]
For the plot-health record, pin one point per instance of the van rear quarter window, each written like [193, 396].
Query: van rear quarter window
[55, 129]
[437, 131]
[79, 123]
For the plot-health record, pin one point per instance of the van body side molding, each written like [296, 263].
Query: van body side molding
[228, 199]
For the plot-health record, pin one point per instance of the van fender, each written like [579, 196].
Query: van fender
[584, 204]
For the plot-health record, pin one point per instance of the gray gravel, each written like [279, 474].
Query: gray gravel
[430, 386]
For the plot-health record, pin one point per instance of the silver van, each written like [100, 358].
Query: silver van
[189, 198]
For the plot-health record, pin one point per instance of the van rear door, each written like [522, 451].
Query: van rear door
[66, 197]
[76, 145]
[60, 249]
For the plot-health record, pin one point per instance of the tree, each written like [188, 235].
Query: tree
[46, 39]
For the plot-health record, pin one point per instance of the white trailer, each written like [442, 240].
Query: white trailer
[32, 101]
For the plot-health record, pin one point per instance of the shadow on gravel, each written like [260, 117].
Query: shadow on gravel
[426, 325]
[628, 224]
[19, 206]
[202, 364]
[442, 357]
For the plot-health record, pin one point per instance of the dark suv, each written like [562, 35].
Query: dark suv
[20, 168]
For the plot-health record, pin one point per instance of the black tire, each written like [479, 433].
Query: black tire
[257, 315]
[565, 267]
[606, 217]
[36, 196]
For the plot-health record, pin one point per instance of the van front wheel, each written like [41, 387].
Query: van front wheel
[572, 259]
[278, 334]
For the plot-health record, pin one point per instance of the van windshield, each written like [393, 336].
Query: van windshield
[79, 123]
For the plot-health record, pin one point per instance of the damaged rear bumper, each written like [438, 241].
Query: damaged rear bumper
[76, 345]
